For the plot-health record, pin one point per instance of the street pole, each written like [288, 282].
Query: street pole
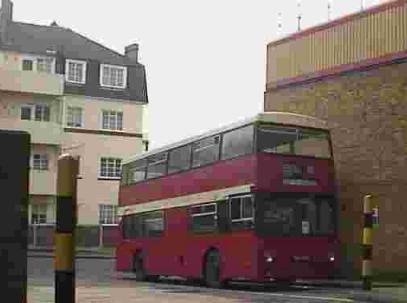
[64, 262]
[367, 243]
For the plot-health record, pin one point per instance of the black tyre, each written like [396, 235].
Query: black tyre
[138, 268]
[153, 278]
[283, 283]
[212, 270]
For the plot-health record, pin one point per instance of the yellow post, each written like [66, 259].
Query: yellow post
[367, 242]
[64, 262]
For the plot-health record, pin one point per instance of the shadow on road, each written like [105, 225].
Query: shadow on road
[171, 285]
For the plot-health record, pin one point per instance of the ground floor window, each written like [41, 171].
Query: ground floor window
[40, 161]
[38, 213]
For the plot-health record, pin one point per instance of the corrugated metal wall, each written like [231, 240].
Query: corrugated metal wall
[365, 36]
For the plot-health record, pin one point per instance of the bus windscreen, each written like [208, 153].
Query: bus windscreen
[294, 141]
[297, 216]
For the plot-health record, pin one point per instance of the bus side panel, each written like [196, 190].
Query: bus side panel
[165, 255]
[124, 255]
[238, 254]
[223, 174]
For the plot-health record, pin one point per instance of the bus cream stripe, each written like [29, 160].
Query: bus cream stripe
[208, 196]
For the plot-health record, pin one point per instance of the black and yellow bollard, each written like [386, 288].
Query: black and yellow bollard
[64, 262]
[367, 243]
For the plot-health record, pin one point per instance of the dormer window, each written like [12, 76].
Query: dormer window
[75, 71]
[113, 76]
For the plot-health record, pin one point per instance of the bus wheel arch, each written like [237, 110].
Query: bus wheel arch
[212, 269]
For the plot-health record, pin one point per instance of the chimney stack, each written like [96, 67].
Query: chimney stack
[131, 52]
[6, 16]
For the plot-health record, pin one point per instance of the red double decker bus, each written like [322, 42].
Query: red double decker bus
[254, 200]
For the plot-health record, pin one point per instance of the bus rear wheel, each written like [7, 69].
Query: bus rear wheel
[212, 270]
[138, 268]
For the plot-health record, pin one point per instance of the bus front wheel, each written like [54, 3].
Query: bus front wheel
[212, 270]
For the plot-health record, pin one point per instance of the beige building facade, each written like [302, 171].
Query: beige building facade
[73, 95]
[92, 143]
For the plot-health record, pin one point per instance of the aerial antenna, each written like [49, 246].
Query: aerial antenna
[279, 24]
[362, 5]
[329, 9]
[299, 15]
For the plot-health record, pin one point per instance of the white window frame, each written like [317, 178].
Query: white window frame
[115, 217]
[32, 113]
[115, 159]
[44, 158]
[115, 128]
[73, 107]
[32, 64]
[124, 68]
[49, 112]
[39, 210]
[83, 76]
[241, 209]
[33, 109]
[34, 59]
[205, 213]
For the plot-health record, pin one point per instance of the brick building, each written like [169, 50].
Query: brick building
[352, 72]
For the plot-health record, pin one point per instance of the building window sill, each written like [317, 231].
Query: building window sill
[108, 178]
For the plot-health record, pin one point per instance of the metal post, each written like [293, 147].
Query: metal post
[367, 243]
[64, 262]
[14, 189]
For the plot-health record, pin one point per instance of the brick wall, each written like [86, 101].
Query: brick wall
[367, 113]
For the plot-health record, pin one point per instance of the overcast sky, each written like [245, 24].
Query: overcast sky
[205, 59]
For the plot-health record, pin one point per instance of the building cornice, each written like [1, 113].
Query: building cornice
[102, 132]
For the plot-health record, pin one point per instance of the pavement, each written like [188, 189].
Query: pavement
[80, 253]
[381, 291]
[132, 291]
[395, 295]
[103, 283]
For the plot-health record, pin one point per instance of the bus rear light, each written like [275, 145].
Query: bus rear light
[269, 259]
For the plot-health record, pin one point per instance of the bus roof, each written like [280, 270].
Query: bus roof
[283, 118]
